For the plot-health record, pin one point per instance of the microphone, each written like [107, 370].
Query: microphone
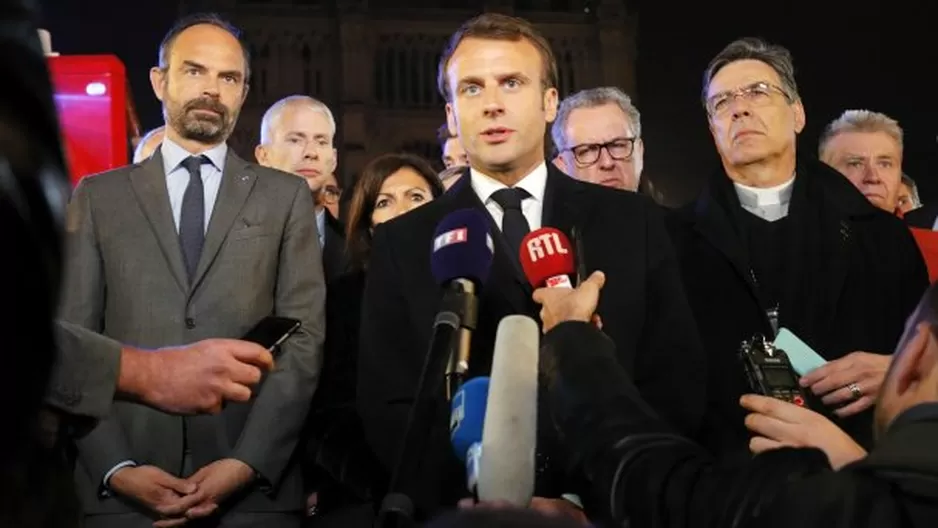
[509, 434]
[461, 258]
[460, 262]
[547, 258]
[466, 422]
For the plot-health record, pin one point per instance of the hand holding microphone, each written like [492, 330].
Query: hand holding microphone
[559, 305]
[548, 259]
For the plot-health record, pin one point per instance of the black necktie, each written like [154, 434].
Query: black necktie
[514, 224]
[192, 217]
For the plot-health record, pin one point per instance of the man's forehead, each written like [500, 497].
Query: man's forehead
[742, 73]
[605, 122]
[206, 43]
[477, 56]
[302, 119]
[865, 144]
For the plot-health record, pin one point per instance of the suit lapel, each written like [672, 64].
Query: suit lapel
[506, 274]
[563, 203]
[237, 180]
[823, 231]
[149, 185]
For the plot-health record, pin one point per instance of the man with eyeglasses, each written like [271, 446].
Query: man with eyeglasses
[597, 134]
[779, 240]
[297, 136]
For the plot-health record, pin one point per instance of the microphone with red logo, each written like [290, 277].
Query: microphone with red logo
[547, 258]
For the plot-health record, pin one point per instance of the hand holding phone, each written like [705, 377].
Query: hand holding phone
[271, 332]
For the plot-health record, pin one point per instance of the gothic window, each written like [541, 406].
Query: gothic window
[307, 56]
[400, 68]
[429, 82]
[567, 73]
[416, 78]
[430, 151]
[405, 73]
[264, 61]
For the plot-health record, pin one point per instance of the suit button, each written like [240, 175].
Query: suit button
[190, 323]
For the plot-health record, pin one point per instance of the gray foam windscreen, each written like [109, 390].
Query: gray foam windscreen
[509, 436]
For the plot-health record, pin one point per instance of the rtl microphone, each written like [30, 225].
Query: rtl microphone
[547, 258]
[466, 421]
[509, 434]
[461, 259]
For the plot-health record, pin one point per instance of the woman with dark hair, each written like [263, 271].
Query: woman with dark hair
[349, 480]
[389, 186]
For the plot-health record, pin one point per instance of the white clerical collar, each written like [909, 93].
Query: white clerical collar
[535, 183]
[768, 203]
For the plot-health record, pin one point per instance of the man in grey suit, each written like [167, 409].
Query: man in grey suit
[196, 243]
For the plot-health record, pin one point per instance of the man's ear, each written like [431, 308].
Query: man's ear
[907, 368]
[261, 154]
[158, 82]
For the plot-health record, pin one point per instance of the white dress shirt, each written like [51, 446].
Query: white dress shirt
[532, 207]
[177, 177]
[770, 203]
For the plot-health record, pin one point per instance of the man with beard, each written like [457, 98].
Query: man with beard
[196, 243]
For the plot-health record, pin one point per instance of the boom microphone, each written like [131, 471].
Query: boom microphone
[460, 261]
[547, 258]
[509, 436]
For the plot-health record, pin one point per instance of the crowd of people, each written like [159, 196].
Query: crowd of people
[646, 418]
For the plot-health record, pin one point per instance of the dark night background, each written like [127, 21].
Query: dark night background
[877, 55]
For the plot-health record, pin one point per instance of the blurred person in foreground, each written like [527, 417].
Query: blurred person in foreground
[654, 478]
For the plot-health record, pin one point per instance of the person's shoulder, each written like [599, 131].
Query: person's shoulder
[276, 177]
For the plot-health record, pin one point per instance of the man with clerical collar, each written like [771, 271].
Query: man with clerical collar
[778, 240]
[498, 77]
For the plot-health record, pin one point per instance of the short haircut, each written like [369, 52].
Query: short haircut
[777, 57]
[198, 19]
[139, 151]
[443, 135]
[273, 113]
[592, 98]
[860, 121]
[362, 203]
[913, 190]
[495, 26]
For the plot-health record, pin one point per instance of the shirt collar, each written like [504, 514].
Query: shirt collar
[535, 183]
[757, 197]
[173, 155]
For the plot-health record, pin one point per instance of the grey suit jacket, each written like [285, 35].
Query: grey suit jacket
[84, 378]
[125, 278]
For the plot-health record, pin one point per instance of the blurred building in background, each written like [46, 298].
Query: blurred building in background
[375, 62]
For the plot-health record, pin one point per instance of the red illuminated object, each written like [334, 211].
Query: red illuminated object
[91, 98]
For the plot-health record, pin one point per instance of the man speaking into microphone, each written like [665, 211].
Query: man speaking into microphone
[498, 76]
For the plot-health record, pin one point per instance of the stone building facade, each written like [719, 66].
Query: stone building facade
[374, 62]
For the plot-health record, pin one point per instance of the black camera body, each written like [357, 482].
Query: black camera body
[769, 371]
